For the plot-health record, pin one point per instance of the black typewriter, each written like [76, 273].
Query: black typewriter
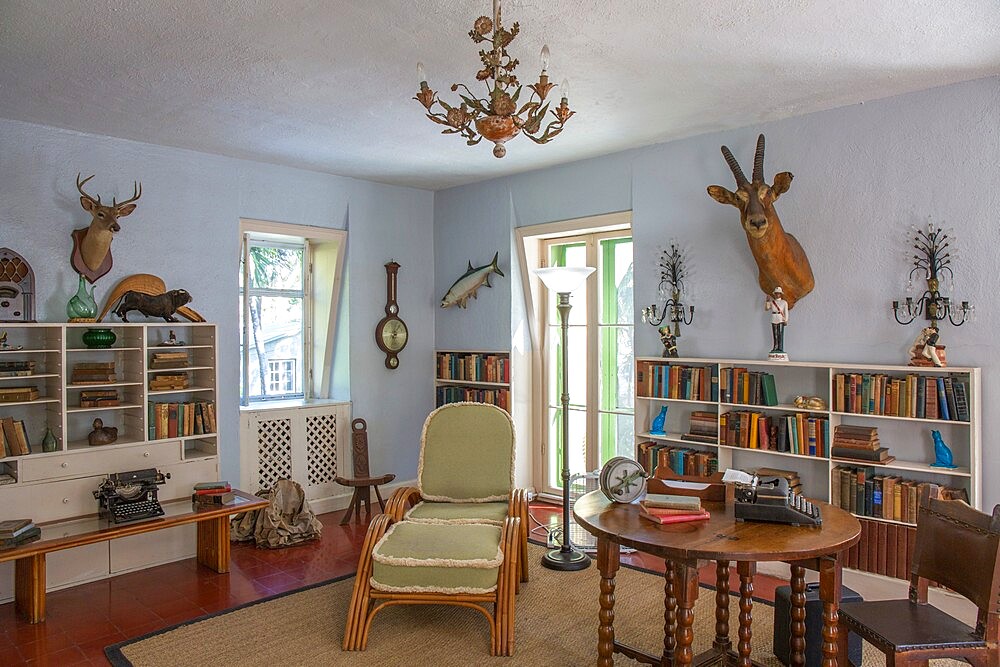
[769, 499]
[130, 496]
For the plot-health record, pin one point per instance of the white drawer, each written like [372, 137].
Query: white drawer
[183, 477]
[64, 499]
[94, 462]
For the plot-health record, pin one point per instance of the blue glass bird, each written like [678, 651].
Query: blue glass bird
[942, 454]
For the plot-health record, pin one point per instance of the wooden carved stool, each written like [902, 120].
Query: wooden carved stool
[362, 482]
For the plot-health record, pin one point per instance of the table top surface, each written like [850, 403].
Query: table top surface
[59, 535]
[719, 538]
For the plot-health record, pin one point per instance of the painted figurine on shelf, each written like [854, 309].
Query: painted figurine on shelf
[927, 350]
[656, 428]
[942, 454]
[776, 305]
[4, 345]
[102, 435]
[171, 340]
[669, 341]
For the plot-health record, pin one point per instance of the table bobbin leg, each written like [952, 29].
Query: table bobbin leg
[798, 615]
[607, 565]
[722, 642]
[747, 569]
[669, 613]
[686, 576]
[830, 579]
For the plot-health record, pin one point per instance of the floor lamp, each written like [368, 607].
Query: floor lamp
[562, 280]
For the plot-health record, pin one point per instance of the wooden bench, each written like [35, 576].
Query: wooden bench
[29, 559]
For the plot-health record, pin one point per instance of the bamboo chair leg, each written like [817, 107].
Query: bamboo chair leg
[359, 612]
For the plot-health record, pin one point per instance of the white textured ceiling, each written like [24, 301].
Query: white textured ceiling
[326, 85]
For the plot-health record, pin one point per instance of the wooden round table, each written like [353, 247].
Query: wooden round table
[722, 539]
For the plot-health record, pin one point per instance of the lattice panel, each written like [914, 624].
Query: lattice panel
[321, 448]
[274, 451]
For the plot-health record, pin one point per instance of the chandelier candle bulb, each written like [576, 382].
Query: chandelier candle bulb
[564, 89]
[421, 75]
[545, 59]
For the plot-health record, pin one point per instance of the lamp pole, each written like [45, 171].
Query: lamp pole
[566, 558]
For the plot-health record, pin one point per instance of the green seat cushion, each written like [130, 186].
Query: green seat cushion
[492, 513]
[467, 454]
[437, 558]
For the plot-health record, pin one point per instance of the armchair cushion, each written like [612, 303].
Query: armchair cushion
[467, 454]
[490, 513]
[437, 558]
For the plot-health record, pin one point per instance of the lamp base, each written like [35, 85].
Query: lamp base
[566, 561]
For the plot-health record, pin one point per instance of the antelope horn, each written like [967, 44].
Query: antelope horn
[136, 193]
[735, 166]
[758, 161]
[80, 184]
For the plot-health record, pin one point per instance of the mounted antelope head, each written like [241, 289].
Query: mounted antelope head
[781, 262]
[92, 245]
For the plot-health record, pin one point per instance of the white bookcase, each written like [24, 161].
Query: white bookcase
[59, 485]
[908, 438]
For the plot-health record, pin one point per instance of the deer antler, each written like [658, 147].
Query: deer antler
[758, 161]
[136, 193]
[734, 165]
[80, 184]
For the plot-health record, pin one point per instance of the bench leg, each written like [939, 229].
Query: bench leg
[29, 587]
[213, 544]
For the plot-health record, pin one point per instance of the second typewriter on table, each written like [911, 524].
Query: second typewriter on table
[130, 496]
[769, 499]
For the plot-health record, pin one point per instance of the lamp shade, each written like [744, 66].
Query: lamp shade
[563, 279]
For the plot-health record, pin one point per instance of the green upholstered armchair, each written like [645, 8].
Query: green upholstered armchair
[458, 538]
[466, 473]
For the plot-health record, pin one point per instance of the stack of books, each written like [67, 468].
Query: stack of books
[859, 443]
[96, 372]
[168, 360]
[18, 394]
[17, 368]
[99, 398]
[212, 494]
[15, 532]
[703, 427]
[162, 381]
[662, 508]
[794, 481]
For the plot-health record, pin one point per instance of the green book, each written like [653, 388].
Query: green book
[770, 391]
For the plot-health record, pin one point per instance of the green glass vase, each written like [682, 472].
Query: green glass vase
[49, 442]
[82, 307]
[99, 339]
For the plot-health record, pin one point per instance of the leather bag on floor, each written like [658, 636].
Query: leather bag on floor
[287, 521]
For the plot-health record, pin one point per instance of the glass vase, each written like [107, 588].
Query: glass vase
[82, 307]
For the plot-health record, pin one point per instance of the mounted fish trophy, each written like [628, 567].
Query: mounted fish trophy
[781, 261]
[466, 287]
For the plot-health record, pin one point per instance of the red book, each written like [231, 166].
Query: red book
[665, 511]
[676, 518]
[172, 420]
[211, 492]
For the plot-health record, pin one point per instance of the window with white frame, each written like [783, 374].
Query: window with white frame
[289, 291]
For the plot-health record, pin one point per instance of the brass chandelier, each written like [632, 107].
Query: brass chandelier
[497, 117]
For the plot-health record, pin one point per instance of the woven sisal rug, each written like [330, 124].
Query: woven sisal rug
[556, 627]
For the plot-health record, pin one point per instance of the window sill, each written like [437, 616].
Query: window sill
[263, 406]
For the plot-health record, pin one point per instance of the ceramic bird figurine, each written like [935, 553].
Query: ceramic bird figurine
[942, 454]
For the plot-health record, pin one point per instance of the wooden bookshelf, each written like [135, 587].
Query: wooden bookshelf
[479, 376]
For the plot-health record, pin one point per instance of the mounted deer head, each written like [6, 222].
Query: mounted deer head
[781, 262]
[92, 245]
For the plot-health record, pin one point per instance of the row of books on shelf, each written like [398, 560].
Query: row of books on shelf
[866, 492]
[94, 372]
[797, 433]
[13, 437]
[740, 385]
[18, 394]
[692, 383]
[859, 443]
[497, 397]
[172, 420]
[680, 460]
[17, 368]
[920, 396]
[178, 359]
[473, 367]
[884, 548]
[15, 532]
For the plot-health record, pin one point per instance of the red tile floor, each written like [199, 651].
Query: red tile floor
[82, 620]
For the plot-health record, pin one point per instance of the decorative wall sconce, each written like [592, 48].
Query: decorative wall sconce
[672, 275]
[932, 262]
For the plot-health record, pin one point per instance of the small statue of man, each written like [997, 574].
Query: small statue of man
[926, 347]
[669, 341]
[778, 307]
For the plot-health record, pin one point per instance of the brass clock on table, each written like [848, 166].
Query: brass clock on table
[390, 333]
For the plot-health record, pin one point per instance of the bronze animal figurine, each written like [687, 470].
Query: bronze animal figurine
[145, 283]
[160, 305]
[102, 435]
[91, 255]
[781, 261]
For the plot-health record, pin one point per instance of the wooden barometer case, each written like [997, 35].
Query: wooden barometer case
[390, 333]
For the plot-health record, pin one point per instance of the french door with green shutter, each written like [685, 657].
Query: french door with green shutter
[600, 356]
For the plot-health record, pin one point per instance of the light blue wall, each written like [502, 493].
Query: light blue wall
[185, 230]
[863, 174]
